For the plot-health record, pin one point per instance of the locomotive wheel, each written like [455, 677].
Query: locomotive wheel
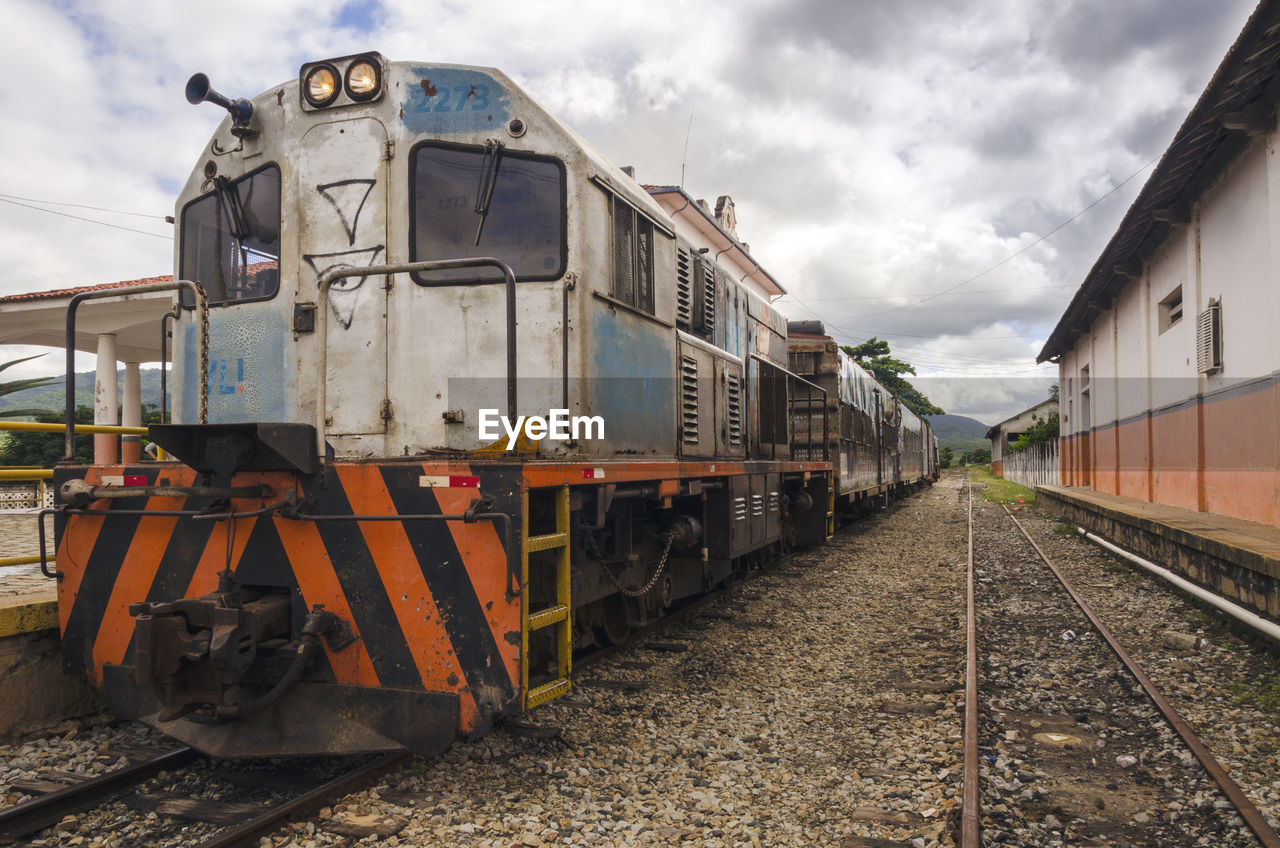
[613, 629]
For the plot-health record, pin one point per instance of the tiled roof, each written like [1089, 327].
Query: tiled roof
[57, 293]
[1199, 152]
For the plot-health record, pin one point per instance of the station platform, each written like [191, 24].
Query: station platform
[27, 597]
[30, 662]
[1237, 559]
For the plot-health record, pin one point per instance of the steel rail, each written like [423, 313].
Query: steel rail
[970, 819]
[1266, 835]
[249, 833]
[47, 810]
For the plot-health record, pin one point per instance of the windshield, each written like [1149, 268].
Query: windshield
[487, 201]
[231, 238]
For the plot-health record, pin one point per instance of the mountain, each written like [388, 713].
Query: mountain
[52, 397]
[960, 433]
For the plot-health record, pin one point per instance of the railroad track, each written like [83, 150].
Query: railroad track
[297, 797]
[1061, 688]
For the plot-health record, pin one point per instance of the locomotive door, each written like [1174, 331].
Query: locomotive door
[343, 186]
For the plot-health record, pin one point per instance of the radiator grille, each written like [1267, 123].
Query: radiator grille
[689, 400]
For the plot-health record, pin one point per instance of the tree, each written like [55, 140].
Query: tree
[45, 450]
[977, 456]
[13, 386]
[945, 457]
[1053, 392]
[873, 355]
[1041, 430]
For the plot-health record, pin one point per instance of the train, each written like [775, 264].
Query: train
[454, 398]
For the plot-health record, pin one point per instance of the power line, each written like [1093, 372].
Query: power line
[922, 294]
[82, 206]
[88, 220]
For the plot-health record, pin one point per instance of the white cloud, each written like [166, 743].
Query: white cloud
[873, 148]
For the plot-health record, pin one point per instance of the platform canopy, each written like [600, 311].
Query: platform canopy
[40, 318]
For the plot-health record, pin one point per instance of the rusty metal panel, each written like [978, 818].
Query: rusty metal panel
[697, 406]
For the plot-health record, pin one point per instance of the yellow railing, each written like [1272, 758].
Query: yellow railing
[33, 427]
[32, 559]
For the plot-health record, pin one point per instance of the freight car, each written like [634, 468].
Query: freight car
[880, 449]
[454, 397]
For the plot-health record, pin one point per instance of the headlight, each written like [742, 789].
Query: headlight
[321, 85]
[364, 78]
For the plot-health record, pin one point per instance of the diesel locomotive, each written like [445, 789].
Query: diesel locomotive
[453, 398]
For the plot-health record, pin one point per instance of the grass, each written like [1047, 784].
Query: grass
[1263, 693]
[997, 490]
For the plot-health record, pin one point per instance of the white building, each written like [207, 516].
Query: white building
[1005, 433]
[1169, 353]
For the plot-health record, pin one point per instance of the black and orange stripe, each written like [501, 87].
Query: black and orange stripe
[425, 598]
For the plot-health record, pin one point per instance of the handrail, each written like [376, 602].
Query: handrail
[25, 475]
[329, 277]
[37, 427]
[202, 303]
[791, 408]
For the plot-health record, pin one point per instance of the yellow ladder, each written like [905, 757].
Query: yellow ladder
[556, 615]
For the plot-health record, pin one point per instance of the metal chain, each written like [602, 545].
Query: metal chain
[202, 394]
[633, 593]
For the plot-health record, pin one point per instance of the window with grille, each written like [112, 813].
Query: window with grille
[632, 257]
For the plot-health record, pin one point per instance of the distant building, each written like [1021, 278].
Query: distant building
[1005, 433]
[1169, 354]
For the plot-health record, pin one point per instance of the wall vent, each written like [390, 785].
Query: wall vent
[688, 400]
[1209, 339]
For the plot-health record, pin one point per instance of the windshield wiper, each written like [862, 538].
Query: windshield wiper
[488, 179]
[230, 197]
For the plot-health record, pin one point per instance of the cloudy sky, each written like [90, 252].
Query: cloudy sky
[895, 163]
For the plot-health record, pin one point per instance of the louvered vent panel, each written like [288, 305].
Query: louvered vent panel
[1208, 343]
[735, 410]
[757, 504]
[775, 502]
[684, 288]
[623, 257]
[644, 266]
[689, 400]
[739, 509]
[709, 301]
